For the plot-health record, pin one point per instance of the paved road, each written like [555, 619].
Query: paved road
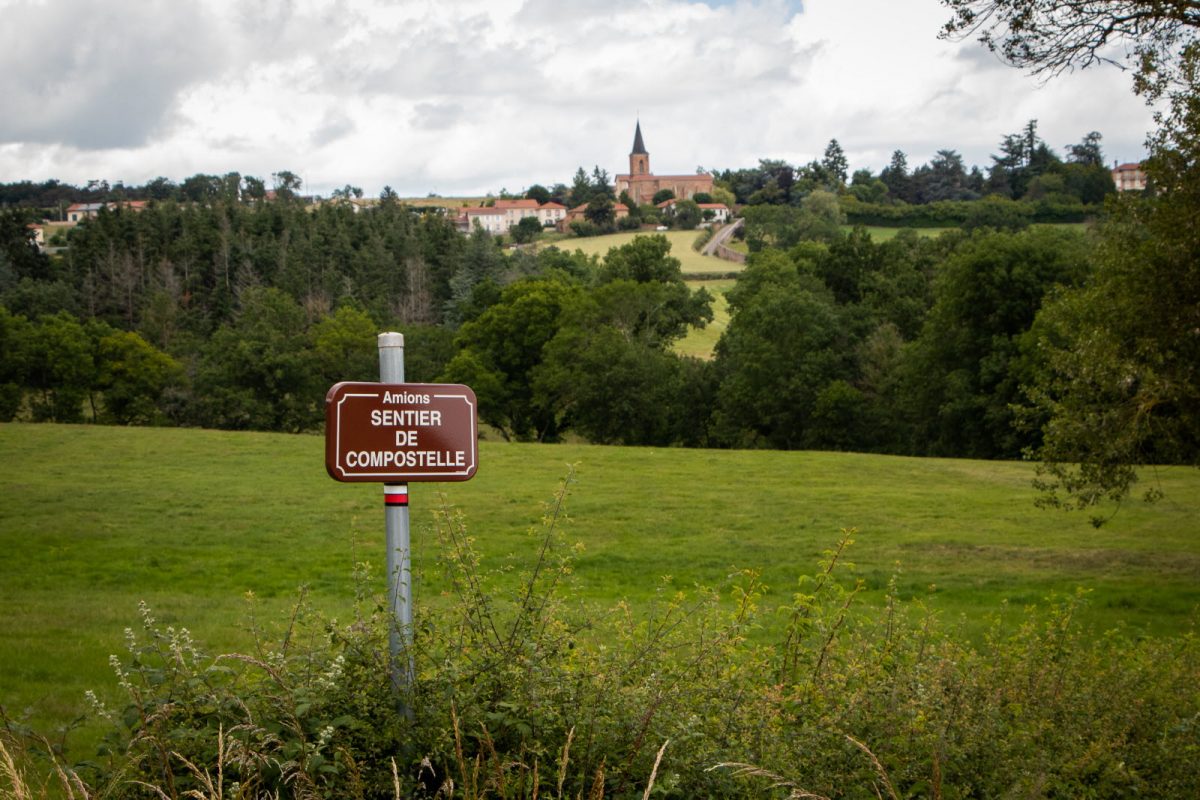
[720, 238]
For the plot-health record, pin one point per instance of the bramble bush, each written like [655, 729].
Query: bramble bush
[517, 692]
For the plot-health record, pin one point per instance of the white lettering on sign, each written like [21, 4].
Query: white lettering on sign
[406, 397]
[405, 458]
[420, 417]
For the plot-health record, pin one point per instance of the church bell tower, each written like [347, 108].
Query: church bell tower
[639, 159]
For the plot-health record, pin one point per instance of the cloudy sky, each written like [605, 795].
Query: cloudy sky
[470, 96]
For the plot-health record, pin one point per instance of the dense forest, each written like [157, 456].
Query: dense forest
[239, 312]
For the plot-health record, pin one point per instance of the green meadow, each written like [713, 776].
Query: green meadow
[880, 233]
[217, 529]
[692, 263]
[701, 342]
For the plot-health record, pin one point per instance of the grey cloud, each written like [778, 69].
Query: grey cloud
[98, 75]
[977, 58]
[334, 126]
[543, 59]
[271, 30]
[457, 60]
[578, 13]
[436, 116]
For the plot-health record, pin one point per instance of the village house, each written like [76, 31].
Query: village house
[503, 215]
[489, 218]
[78, 212]
[551, 213]
[642, 184]
[1129, 177]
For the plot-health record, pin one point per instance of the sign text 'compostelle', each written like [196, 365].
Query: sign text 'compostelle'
[400, 432]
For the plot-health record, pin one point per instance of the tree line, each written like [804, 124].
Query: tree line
[241, 316]
[1026, 168]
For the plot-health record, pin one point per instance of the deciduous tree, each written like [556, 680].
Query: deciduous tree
[968, 364]
[1120, 390]
[526, 230]
[1048, 37]
[499, 351]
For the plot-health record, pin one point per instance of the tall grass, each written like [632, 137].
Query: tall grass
[519, 691]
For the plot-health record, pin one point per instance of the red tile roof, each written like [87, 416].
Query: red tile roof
[516, 204]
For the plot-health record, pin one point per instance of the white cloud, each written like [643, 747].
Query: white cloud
[462, 96]
[98, 75]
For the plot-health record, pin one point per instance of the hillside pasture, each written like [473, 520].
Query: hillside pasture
[701, 342]
[215, 530]
[692, 263]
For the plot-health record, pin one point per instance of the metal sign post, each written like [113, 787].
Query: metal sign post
[394, 432]
[399, 544]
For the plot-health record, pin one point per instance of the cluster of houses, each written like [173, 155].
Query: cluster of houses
[78, 212]
[640, 184]
[504, 215]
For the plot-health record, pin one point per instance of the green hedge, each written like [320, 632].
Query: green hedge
[952, 213]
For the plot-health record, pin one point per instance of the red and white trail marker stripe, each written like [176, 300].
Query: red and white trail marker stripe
[395, 495]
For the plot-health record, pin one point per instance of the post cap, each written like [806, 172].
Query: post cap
[391, 339]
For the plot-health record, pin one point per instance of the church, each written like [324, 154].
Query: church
[642, 184]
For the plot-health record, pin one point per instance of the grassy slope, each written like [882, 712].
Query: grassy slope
[681, 248]
[94, 519]
[700, 342]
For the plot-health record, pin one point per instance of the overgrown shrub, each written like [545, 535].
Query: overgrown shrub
[517, 692]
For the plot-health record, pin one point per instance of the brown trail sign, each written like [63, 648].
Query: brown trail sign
[400, 432]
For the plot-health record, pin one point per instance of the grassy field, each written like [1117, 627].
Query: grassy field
[882, 234]
[443, 202]
[700, 342]
[95, 519]
[681, 248]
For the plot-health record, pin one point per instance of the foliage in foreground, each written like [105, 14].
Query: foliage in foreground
[518, 694]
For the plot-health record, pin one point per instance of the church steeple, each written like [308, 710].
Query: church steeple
[639, 159]
[639, 149]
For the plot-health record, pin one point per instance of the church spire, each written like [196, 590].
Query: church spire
[639, 149]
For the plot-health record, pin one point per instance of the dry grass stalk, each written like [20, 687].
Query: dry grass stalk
[597, 792]
[887, 783]
[654, 771]
[152, 788]
[18, 788]
[71, 781]
[562, 762]
[458, 748]
[494, 760]
[777, 781]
